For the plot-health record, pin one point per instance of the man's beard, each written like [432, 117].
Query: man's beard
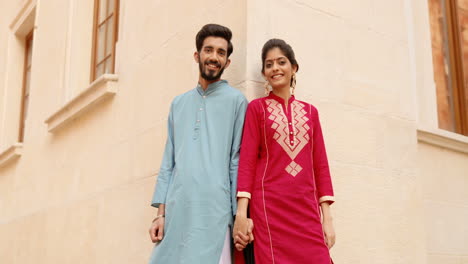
[210, 76]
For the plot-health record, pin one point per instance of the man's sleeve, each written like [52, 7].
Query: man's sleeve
[167, 165]
[235, 149]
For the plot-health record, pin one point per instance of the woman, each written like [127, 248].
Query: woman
[284, 179]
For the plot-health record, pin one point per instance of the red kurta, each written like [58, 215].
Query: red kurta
[284, 168]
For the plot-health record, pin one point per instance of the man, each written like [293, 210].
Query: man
[197, 181]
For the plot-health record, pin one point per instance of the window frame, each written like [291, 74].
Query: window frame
[453, 61]
[28, 43]
[456, 67]
[96, 25]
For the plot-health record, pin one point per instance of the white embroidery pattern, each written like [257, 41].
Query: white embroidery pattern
[300, 130]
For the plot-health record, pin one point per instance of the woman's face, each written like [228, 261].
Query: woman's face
[278, 69]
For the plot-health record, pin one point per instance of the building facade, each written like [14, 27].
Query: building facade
[85, 89]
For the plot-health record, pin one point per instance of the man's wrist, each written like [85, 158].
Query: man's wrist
[159, 216]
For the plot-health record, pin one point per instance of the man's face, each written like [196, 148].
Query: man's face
[212, 58]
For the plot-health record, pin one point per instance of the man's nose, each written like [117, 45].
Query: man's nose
[215, 56]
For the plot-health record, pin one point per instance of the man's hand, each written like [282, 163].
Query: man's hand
[156, 230]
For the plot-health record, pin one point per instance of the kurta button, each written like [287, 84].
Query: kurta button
[291, 132]
[204, 96]
[198, 120]
[292, 142]
[290, 123]
[201, 109]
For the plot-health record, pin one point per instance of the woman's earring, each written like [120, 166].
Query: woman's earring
[267, 89]
[293, 83]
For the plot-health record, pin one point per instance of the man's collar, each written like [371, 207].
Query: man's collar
[211, 87]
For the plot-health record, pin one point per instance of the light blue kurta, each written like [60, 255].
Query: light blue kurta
[198, 177]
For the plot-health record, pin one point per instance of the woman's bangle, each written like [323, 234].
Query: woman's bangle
[157, 217]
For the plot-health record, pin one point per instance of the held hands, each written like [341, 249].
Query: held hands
[156, 230]
[242, 232]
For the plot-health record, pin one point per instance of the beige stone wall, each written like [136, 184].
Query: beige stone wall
[445, 204]
[82, 193]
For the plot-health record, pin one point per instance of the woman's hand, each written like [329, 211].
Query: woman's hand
[240, 226]
[327, 224]
[329, 232]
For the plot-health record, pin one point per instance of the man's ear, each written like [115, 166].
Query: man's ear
[196, 57]
[228, 62]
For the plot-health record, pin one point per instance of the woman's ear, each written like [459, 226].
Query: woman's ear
[294, 68]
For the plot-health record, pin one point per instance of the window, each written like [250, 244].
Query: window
[16, 95]
[449, 30]
[26, 84]
[105, 36]
[88, 80]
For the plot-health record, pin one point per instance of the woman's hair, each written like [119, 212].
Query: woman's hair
[285, 49]
[214, 30]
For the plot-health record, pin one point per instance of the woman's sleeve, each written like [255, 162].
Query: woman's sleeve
[249, 152]
[321, 169]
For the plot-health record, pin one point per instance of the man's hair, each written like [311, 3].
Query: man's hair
[214, 30]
